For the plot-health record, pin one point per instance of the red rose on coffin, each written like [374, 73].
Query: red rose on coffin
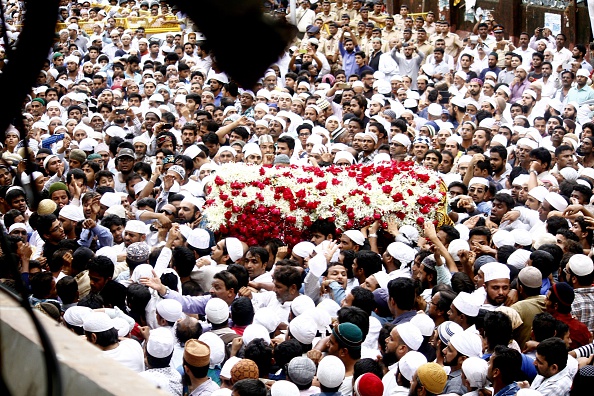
[266, 202]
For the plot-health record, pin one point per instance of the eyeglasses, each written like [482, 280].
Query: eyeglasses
[166, 211]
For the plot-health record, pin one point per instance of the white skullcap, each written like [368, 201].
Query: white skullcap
[538, 193]
[582, 73]
[518, 259]
[521, 237]
[138, 187]
[268, 318]
[410, 362]
[528, 391]
[410, 335]
[356, 236]
[371, 135]
[217, 311]
[475, 370]
[434, 109]
[160, 343]
[569, 174]
[464, 159]
[303, 249]
[110, 199]
[402, 139]
[17, 226]
[455, 246]
[97, 322]
[228, 366]
[331, 371]
[447, 329]
[401, 252]
[479, 180]
[467, 343]
[250, 149]
[234, 248]
[254, 331]
[556, 201]
[217, 348]
[503, 238]
[520, 180]
[463, 230]
[199, 238]
[136, 226]
[344, 155]
[108, 252]
[408, 234]
[466, 304]
[303, 328]
[71, 212]
[301, 304]
[495, 270]
[581, 265]
[527, 142]
[117, 210]
[501, 139]
[424, 323]
[330, 306]
[382, 159]
[382, 279]
[76, 315]
[284, 388]
[227, 148]
[170, 310]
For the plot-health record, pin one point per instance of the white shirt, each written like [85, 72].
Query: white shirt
[129, 353]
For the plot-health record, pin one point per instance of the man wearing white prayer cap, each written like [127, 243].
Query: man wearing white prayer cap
[300, 305]
[475, 371]
[159, 350]
[497, 284]
[352, 240]
[477, 189]
[397, 259]
[168, 312]
[407, 367]
[303, 328]
[302, 251]
[464, 310]
[462, 345]
[552, 201]
[135, 231]
[100, 331]
[579, 273]
[74, 318]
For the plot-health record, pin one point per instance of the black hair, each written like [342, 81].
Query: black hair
[242, 311]
[288, 276]
[41, 284]
[368, 261]
[347, 261]
[261, 353]
[451, 233]
[105, 338]
[356, 316]
[498, 329]
[402, 292]
[554, 351]
[509, 363]
[543, 326]
[249, 387]
[183, 261]
[286, 351]
[260, 252]
[184, 333]
[102, 265]
[556, 223]
[482, 231]
[367, 365]
[544, 262]
[67, 289]
[288, 140]
[364, 299]
[323, 226]
[240, 274]
[543, 155]
[461, 282]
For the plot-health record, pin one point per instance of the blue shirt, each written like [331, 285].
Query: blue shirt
[348, 60]
[580, 95]
[509, 390]
[404, 318]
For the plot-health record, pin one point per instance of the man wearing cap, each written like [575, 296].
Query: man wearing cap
[397, 258]
[430, 379]
[196, 364]
[496, 284]
[462, 345]
[345, 344]
[99, 331]
[558, 303]
[579, 273]
[464, 310]
[530, 303]
[158, 354]
[581, 92]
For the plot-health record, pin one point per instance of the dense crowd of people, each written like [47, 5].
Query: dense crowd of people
[103, 204]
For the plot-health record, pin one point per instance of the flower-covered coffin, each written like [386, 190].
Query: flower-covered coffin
[255, 203]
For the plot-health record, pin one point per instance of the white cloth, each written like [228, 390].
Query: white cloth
[129, 353]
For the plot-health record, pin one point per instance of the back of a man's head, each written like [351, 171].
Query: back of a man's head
[249, 387]
[402, 292]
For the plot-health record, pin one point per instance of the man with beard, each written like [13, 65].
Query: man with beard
[578, 54]
[403, 340]
[523, 148]
[498, 158]
[189, 212]
[409, 65]
[463, 345]
[492, 60]
[497, 285]
[555, 376]
[429, 379]
[474, 89]
[428, 277]
[196, 365]
[287, 282]
[188, 132]
[51, 231]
